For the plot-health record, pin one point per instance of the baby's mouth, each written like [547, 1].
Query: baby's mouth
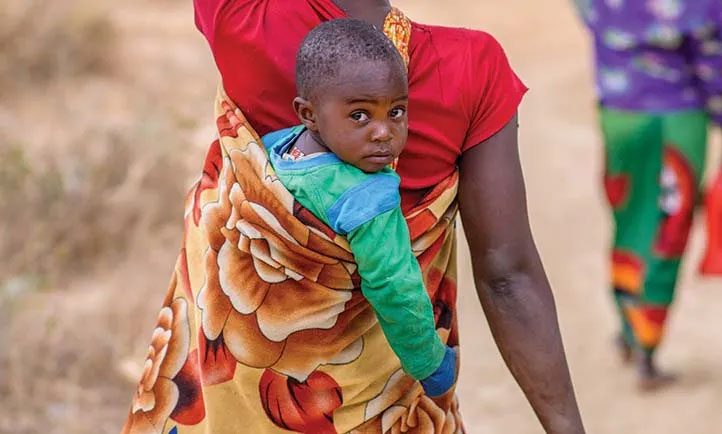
[382, 157]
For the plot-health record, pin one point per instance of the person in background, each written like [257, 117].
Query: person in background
[658, 66]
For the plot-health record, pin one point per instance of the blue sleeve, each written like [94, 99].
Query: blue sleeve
[378, 194]
[443, 378]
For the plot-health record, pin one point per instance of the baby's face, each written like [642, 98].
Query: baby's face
[361, 116]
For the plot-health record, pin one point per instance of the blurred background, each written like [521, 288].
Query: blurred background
[105, 113]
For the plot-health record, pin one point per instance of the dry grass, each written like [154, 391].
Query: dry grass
[95, 156]
[42, 41]
[63, 370]
[88, 156]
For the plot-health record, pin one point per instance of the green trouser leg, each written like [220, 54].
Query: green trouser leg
[654, 165]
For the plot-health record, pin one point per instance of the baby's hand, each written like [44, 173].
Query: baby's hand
[439, 385]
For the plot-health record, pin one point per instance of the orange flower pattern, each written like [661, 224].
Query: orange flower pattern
[157, 395]
[264, 285]
[403, 408]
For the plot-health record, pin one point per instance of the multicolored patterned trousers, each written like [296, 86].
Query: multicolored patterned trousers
[654, 166]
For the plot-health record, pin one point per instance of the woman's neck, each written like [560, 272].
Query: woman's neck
[371, 11]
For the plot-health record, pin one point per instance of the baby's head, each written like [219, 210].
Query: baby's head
[353, 93]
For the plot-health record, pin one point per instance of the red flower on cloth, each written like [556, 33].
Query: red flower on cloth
[209, 178]
[304, 407]
[190, 409]
[217, 364]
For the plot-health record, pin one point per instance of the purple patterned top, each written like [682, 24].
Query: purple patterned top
[657, 55]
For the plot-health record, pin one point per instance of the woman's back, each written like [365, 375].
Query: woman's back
[462, 89]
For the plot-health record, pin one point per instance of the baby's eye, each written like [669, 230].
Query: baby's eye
[360, 116]
[397, 113]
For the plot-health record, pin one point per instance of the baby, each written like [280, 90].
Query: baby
[352, 103]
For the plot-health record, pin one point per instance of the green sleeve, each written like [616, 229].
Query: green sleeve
[391, 281]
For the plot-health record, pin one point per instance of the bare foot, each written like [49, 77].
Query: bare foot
[651, 378]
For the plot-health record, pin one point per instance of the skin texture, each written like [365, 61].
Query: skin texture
[509, 276]
[371, 11]
[510, 279]
[360, 115]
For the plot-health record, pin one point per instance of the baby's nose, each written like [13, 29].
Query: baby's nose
[381, 132]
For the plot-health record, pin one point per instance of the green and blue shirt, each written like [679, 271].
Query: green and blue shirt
[365, 208]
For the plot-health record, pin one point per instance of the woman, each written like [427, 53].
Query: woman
[659, 79]
[263, 328]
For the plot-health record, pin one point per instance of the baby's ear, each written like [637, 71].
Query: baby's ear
[305, 112]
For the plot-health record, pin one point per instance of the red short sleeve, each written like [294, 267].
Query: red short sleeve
[495, 90]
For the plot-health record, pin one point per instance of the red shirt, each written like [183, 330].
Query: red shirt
[461, 87]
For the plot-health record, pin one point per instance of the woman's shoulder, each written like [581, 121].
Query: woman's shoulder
[479, 84]
[261, 19]
[465, 57]
[456, 41]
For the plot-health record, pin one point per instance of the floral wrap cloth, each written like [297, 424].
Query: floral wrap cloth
[264, 328]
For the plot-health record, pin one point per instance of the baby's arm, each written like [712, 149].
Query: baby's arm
[391, 281]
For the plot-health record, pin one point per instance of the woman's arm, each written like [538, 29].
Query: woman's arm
[510, 280]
